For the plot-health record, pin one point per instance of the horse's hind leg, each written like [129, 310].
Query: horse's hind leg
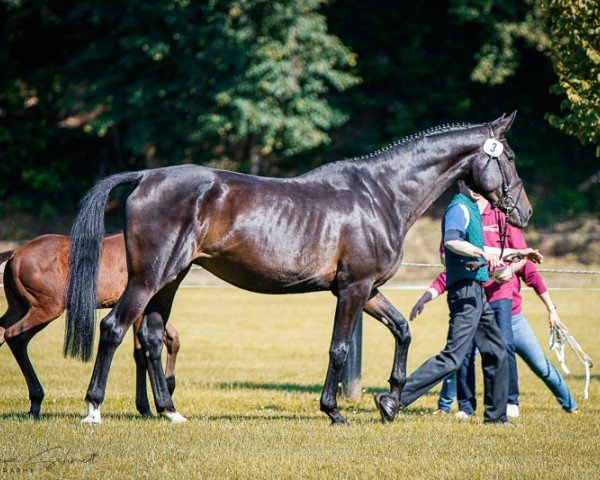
[171, 341]
[351, 301]
[18, 336]
[112, 331]
[141, 394]
[150, 336]
[18, 346]
[380, 308]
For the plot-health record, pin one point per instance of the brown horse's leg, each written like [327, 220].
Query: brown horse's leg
[18, 336]
[351, 301]
[150, 336]
[171, 341]
[141, 394]
[380, 308]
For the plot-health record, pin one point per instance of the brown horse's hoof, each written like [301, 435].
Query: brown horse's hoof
[388, 407]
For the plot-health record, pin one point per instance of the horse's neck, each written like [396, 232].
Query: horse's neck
[424, 177]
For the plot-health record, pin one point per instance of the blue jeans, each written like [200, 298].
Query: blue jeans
[447, 393]
[528, 348]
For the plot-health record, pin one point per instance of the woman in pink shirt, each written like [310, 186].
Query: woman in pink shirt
[525, 342]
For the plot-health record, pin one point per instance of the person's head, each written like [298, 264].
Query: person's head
[465, 190]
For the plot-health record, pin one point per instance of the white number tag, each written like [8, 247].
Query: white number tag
[493, 147]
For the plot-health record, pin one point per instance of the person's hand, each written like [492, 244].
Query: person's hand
[553, 318]
[531, 254]
[417, 309]
[492, 259]
[505, 276]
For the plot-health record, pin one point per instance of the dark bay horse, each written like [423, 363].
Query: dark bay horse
[339, 227]
[35, 283]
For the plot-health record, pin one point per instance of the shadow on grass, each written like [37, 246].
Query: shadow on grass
[291, 387]
[593, 376]
[43, 416]
[288, 387]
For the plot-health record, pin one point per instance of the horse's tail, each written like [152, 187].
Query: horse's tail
[87, 235]
[6, 256]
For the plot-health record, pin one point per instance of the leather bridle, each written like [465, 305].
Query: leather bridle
[507, 202]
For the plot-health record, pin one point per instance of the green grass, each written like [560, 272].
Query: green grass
[249, 377]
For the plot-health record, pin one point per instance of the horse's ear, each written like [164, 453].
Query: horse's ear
[502, 124]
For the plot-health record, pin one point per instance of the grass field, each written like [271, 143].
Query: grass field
[249, 377]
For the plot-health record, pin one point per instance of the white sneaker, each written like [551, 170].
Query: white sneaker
[512, 410]
[462, 415]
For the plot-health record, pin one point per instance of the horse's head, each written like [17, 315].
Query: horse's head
[493, 173]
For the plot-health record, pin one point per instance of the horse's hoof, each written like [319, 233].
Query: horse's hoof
[171, 384]
[34, 415]
[387, 407]
[174, 417]
[342, 421]
[146, 413]
[91, 421]
[93, 416]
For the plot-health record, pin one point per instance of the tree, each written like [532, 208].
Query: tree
[227, 81]
[575, 54]
[567, 31]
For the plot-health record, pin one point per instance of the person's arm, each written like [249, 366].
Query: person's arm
[527, 253]
[466, 249]
[455, 231]
[553, 318]
[430, 294]
[532, 278]
[437, 287]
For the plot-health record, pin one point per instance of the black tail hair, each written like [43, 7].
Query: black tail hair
[6, 256]
[87, 236]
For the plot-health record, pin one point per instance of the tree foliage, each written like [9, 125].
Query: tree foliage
[90, 88]
[179, 77]
[575, 54]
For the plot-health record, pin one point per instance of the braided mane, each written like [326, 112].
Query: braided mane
[446, 127]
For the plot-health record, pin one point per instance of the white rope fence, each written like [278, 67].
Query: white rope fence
[542, 270]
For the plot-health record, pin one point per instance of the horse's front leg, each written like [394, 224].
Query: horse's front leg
[380, 308]
[351, 301]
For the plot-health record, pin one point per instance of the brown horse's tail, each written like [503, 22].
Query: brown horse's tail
[86, 242]
[6, 256]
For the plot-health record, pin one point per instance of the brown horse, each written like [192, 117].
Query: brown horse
[339, 227]
[35, 281]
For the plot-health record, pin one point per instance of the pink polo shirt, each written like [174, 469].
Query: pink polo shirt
[492, 220]
[532, 278]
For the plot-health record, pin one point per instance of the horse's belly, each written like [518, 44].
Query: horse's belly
[268, 278]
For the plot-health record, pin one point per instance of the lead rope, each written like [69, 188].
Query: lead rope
[559, 337]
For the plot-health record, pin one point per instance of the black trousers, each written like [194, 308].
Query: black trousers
[471, 319]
